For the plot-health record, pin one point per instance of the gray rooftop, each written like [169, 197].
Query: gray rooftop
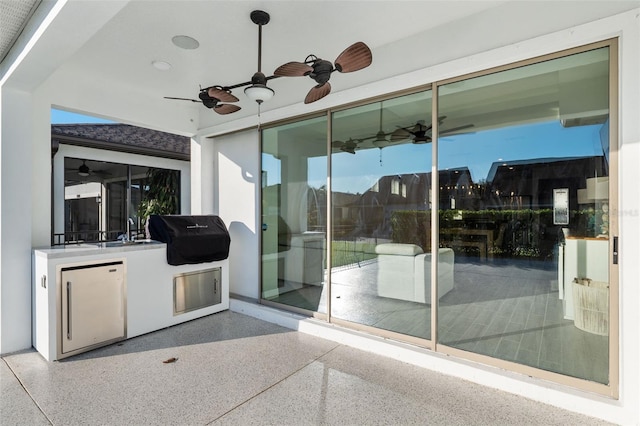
[123, 137]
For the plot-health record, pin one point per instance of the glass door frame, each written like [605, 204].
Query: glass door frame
[612, 388]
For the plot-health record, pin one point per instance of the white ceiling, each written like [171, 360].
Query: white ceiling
[113, 43]
[124, 49]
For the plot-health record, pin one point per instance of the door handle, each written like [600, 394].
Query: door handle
[615, 250]
[68, 310]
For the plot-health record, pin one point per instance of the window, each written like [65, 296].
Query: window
[101, 197]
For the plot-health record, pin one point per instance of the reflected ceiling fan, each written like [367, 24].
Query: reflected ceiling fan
[84, 171]
[421, 133]
[348, 146]
[353, 58]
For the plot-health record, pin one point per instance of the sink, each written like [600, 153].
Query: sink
[128, 243]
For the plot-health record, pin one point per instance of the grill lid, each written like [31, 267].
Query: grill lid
[191, 239]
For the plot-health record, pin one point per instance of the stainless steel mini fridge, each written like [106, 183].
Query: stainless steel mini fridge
[93, 311]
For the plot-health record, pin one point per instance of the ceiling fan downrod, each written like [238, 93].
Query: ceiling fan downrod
[258, 90]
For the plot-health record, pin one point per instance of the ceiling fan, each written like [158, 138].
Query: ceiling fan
[348, 146]
[257, 89]
[353, 58]
[379, 140]
[421, 133]
[211, 98]
[85, 171]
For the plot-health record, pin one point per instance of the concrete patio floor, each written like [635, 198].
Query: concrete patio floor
[235, 369]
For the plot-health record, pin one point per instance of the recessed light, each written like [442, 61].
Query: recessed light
[185, 42]
[161, 65]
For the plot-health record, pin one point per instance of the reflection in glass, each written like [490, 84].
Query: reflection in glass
[381, 161]
[98, 204]
[523, 207]
[294, 219]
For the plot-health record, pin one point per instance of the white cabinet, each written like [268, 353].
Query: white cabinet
[304, 261]
[581, 258]
[95, 307]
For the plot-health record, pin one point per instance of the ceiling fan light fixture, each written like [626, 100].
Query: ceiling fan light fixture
[83, 170]
[380, 143]
[258, 91]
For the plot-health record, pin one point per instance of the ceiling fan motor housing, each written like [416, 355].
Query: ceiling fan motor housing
[321, 71]
[259, 78]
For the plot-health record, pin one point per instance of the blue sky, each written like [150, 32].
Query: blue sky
[64, 117]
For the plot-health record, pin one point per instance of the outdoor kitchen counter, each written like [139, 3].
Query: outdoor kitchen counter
[148, 287]
[87, 249]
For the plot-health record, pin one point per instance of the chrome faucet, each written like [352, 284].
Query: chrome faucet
[128, 236]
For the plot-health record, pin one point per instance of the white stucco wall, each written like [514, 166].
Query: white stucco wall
[15, 221]
[236, 201]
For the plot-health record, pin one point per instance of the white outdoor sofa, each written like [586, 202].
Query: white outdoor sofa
[404, 272]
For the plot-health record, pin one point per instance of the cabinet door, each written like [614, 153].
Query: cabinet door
[93, 307]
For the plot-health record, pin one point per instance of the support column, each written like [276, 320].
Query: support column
[202, 176]
[24, 203]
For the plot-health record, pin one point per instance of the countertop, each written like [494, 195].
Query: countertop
[88, 249]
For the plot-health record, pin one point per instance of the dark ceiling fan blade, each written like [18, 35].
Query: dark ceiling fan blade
[455, 129]
[354, 58]
[317, 93]
[182, 99]
[226, 108]
[400, 135]
[221, 95]
[293, 69]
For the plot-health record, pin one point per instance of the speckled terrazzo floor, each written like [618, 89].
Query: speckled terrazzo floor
[235, 369]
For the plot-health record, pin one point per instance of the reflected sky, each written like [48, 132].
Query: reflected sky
[476, 151]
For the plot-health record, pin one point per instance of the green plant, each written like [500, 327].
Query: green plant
[162, 194]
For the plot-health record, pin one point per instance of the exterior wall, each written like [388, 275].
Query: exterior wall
[202, 176]
[238, 162]
[15, 221]
[237, 201]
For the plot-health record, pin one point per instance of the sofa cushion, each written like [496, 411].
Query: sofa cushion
[398, 249]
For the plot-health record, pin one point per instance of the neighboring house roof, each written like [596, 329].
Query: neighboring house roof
[122, 137]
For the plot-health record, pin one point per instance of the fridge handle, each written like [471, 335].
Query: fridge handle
[68, 310]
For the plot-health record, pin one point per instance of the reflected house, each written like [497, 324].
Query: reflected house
[523, 185]
[370, 213]
[529, 184]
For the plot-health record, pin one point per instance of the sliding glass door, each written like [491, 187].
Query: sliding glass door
[497, 250]
[524, 200]
[294, 218]
[381, 227]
